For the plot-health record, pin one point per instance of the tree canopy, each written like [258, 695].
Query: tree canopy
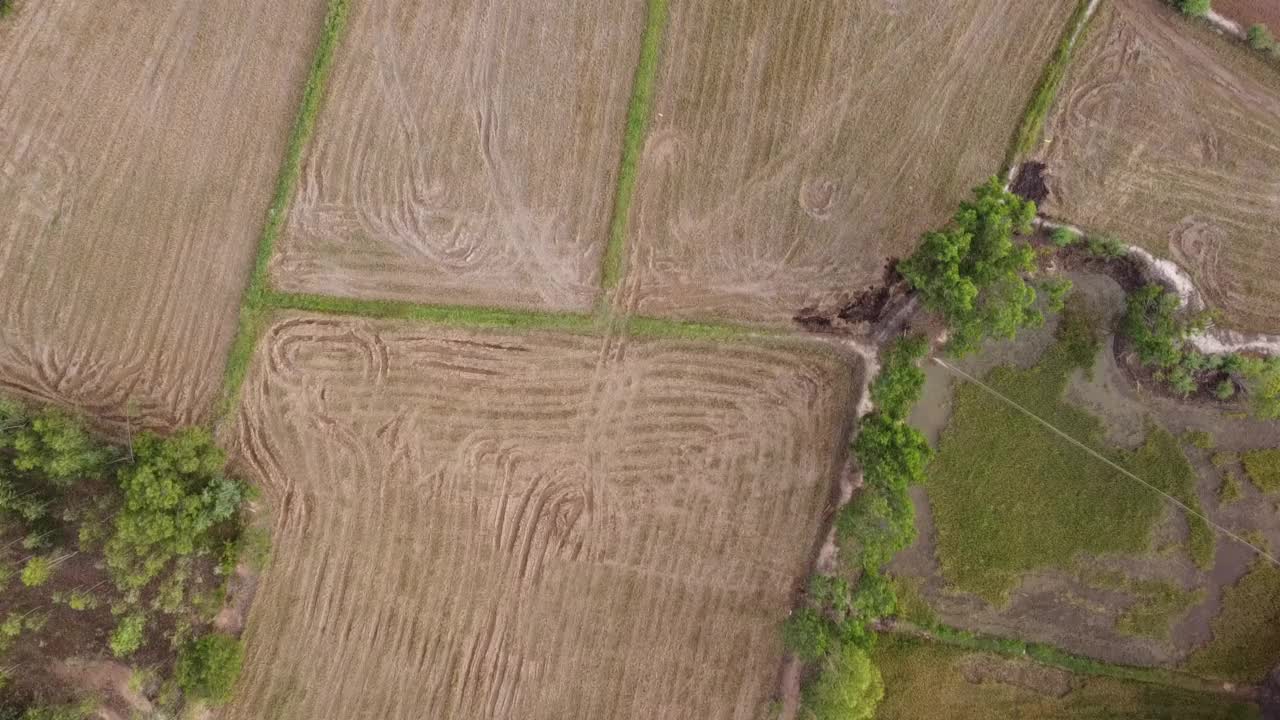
[973, 272]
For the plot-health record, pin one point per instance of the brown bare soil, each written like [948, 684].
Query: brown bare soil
[466, 154]
[1248, 12]
[494, 525]
[138, 147]
[1166, 136]
[796, 146]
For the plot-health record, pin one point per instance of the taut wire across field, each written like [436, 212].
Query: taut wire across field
[1185, 508]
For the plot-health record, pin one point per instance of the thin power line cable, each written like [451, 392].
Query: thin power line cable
[1011, 403]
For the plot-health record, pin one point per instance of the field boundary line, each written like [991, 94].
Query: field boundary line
[253, 304]
[1031, 129]
[498, 317]
[1186, 508]
[1053, 656]
[639, 113]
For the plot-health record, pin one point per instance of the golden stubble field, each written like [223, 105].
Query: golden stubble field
[530, 525]
[467, 153]
[1168, 136]
[138, 147]
[796, 146]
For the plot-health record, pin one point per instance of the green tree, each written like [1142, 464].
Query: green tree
[56, 446]
[1195, 8]
[897, 387]
[807, 634]
[1260, 38]
[849, 688]
[175, 494]
[972, 272]
[128, 635]
[208, 667]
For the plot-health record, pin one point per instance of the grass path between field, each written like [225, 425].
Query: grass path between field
[1055, 657]
[254, 306]
[639, 112]
[260, 300]
[1031, 130]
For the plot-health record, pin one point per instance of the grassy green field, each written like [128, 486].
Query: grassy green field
[1010, 496]
[1246, 634]
[924, 679]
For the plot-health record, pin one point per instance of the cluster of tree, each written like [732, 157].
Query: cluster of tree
[974, 273]
[1159, 331]
[160, 516]
[833, 628]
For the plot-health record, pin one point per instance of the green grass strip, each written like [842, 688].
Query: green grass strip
[478, 317]
[253, 305]
[1079, 664]
[639, 112]
[679, 329]
[1032, 128]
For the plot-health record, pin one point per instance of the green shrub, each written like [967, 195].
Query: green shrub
[1199, 439]
[972, 272]
[1262, 378]
[1263, 467]
[1195, 8]
[807, 634]
[1225, 390]
[208, 667]
[1231, 489]
[1064, 237]
[898, 385]
[849, 688]
[1055, 293]
[128, 635]
[1260, 38]
[37, 571]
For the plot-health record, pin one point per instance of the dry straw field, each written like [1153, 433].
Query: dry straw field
[467, 154]
[138, 147]
[482, 524]
[1166, 135]
[797, 145]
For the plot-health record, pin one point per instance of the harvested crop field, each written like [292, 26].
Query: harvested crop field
[795, 147]
[466, 154]
[497, 525]
[1165, 135]
[1248, 12]
[138, 147]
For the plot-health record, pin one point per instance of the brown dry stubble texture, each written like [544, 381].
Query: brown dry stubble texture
[1167, 135]
[797, 145]
[139, 143]
[484, 525]
[467, 154]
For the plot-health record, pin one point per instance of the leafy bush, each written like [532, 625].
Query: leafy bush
[850, 687]
[37, 572]
[1260, 38]
[1055, 292]
[128, 635]
[1195, 8]
[1064, 237]
[208, 667]
[898, 385]
[1262, 378]
[807, 634]
[972, 271]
